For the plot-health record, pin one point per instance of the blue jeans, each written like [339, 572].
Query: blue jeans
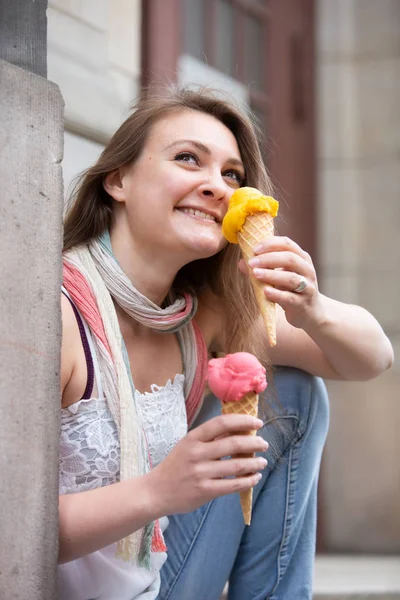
[272, 558]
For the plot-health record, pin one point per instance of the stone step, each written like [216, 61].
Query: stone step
[339, 577]
[351, 596]
[357, 577]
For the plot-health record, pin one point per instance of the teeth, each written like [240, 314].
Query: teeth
[198, 213]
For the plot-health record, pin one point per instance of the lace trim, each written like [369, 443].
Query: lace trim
[163, 414]
[89, 444]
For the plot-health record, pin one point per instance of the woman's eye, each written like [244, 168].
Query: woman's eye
[187, 157]
[237, 176]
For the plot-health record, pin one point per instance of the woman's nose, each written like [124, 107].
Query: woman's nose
[214, 188]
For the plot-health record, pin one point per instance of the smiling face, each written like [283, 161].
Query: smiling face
[173, 198]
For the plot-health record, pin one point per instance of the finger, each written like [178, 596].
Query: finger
[289, 261]
[279, 243]
[233, 445]
[222, 487]
[235, 467]
[288, 300]
[225, 424]
[242, 266]
[283, 280]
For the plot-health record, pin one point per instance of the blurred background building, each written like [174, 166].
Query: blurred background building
[323, 78]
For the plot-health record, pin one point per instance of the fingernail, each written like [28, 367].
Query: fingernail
[263, 462]
[259, 248]
[254, 262]
[258, 423]
[257, 477]
[257, 272]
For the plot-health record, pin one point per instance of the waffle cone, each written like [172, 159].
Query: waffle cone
[257, 228]
[248, 405]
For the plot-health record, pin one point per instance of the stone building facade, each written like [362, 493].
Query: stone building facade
[359, 217]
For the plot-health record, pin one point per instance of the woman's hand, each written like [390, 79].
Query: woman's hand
[320, 335]
[283, 266]
[193, 473]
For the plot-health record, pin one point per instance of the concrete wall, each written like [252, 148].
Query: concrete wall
[94, 56]
[359, 217]
[79, 153]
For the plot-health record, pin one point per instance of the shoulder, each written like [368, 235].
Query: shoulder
[211, 318]
[68, 318]
[73, 362]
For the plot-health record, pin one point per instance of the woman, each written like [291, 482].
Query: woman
[151, 287]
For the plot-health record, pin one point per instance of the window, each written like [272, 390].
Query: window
[193, 29]
[231, 36]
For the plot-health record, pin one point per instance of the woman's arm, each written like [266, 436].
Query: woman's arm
[94, 519]
[191, 475]
[347, 344]
[316, 333]
[89, 520]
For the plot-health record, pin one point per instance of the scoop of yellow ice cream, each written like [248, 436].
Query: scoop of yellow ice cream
[245, 201]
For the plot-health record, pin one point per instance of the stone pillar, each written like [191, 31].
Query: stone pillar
[23, 31]
[31, 142]
[359, 215]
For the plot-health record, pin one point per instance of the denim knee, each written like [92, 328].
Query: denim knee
[299, 406]
[298, 403]
[305, 396]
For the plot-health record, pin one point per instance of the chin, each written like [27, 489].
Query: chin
[206, 248]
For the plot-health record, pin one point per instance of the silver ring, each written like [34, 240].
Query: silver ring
[302, 286]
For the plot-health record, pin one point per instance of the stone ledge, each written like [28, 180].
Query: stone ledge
[349, 596]
[355, 578]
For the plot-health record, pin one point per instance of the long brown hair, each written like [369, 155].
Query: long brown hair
[90, 211]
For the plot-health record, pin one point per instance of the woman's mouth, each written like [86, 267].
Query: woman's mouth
[199, 214]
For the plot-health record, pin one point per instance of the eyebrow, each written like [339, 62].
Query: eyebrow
[203, 148]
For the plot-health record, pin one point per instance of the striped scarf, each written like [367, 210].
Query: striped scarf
[93, 278]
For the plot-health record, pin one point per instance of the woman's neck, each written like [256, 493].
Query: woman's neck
[151, 277]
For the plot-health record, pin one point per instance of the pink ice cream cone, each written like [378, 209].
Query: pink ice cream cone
[236, 380]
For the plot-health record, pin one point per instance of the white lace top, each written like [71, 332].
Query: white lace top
[89, 458]
[89, 446]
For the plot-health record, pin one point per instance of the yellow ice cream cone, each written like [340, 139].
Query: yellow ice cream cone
[256, 228]
[249, 221]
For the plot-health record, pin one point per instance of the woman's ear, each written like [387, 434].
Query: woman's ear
[113, 185]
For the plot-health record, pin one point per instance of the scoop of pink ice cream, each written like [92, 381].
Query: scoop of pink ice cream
[235, 375]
